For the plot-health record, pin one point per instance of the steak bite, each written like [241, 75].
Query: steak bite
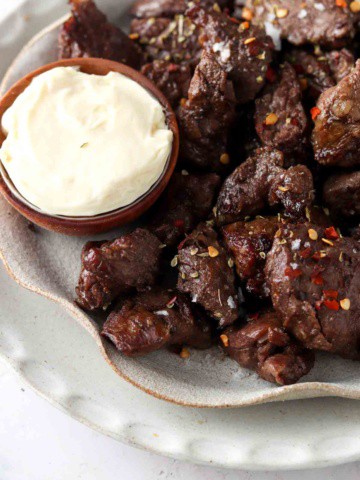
[87, 33]
[110, 269]
[341, 62]
[187, 200]
[172, 39]
[319, 71]
[171, 79]
[318, 22]
[280, 119]
[249, 243]
[264, 346]
[155, 319]
[244, 54]
[314, 279]
[205, 273]
[336, 136]
[262, 181]
[206, 116]
[341, 194]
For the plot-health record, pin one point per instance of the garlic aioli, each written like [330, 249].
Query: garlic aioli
[82, 145]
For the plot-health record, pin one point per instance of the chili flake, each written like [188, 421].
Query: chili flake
[217, 8]
[313, 235]
[283, 189]
[314, 112]
[331, 304]
[231, 262]
[183, 102]
[331, 233]
[270, 75]
[355, 6]
[247, 14]
[225, 159]
[184, 353]
[174, 261]
[305, 253]
[328, 242]
[289, 272]
[282, 12]
[225, 340]
[134, 36]
[179, 223]
[244, 25]
[271, 119]
[171, 302]
[317, 279]
[331, 293]
[194, 274]
[249, 40]
[213, 252]
[345, 303]
[341, 3]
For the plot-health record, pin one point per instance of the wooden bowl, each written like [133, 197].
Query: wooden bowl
[106, 221]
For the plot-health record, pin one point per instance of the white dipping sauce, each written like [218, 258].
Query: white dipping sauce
[80, 144]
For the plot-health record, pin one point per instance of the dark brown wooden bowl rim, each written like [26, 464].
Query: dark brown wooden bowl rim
[121, 215]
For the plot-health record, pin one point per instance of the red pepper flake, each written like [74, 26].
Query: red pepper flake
[341, 3]
[179, 223]
[270, 75]
[317, 279]
[331, 304]
[305, 253]
[295, 122]
[315, 111]
[171, 302]
[173, 67]
[181, 244]
[253, 316]
[234, 20]
[289, 272]
[331, 233]
[331, 293]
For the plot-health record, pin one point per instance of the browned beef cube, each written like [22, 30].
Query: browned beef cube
[262, 181]
[206, 274]
[244, 54]
[280, 119]
[205, 118]
[264, 346]
[249, 243]
[87, 33]
[110, 269]
[314, 279]
[154, 319]
[187, 200]
[172, 79]
[336, 136]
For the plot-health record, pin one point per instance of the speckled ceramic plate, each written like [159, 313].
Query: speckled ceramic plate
[60, 360]
[48, 263]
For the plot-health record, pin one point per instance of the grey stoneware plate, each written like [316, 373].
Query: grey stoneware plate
[54, 354]
[49, 263]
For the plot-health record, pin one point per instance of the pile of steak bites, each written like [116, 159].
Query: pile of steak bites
[260, 222]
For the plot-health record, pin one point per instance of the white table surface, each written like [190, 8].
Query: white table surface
[38, 442]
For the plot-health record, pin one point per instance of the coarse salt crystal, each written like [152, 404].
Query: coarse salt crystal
[274, 33]
[231, 302]
[319, 6]
[302, 13]
[295, 244]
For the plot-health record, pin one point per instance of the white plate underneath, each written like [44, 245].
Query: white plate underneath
[61, 361]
